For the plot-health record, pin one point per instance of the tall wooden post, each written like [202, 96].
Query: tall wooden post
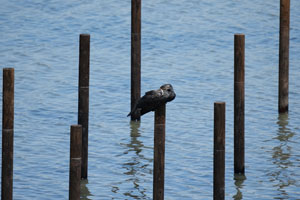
[75, 162]
[219, 150]
[284, 37]
[83, 96]
[239, 103]
[135, 52]
[7, 134]
[159, 153]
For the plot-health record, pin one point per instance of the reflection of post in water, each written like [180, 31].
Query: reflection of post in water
[239, 180]
[284, 133]
[134, 134]
[136, 166]
[281, 157]
[84, 190]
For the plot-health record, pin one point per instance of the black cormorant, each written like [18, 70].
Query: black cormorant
[152, 100]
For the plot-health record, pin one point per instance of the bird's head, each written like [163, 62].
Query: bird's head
[168, 92]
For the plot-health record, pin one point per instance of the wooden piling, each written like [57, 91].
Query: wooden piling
[219, 150]
[159, 153]
[7, 134]
[83, 96]
[284, 37]
[239, 103]
[135, 53]
[75, 162]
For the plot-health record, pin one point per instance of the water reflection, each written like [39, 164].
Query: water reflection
[84, 190]
[136, 166]
[239, 181]
[281, 158]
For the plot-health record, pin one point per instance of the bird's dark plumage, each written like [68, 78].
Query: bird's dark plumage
[152, 100]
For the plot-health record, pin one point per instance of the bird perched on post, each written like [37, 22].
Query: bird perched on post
[152, 100]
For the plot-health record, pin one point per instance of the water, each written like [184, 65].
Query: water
[186, 43]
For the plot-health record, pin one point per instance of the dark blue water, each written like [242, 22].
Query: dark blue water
[186, 43]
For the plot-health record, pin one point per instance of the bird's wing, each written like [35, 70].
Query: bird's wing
[150, 93]
[150, 101]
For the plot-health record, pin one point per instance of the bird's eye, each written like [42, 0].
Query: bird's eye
[169, 90]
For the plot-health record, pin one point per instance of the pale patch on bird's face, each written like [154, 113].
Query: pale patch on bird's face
[162, 91]
[167, 88]
[167, 91]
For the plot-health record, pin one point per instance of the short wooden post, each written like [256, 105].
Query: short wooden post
[135, 53]
[83, 96]
[284, 37]
[239, 103]
[219, 150]
[159, 153]
[75, 162]
[7, 134]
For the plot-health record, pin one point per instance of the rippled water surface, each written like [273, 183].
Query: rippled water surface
[188, 43]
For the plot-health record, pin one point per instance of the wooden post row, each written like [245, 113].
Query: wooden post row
[7, 134]
[219, 151]
[75, 162]
[159, 153]
[284, 37]
[83, 98]
[239, 103]
[135, 52]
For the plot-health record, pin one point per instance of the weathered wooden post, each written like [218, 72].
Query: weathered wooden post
[284, 37]
[75, 162]
[7, 134]
[83, 96]
[239, 103]
[135, 52]
[219, 150]
[159, 153]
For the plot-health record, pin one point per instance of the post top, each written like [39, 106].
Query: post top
[8, 69]
[219, 102]
[84, 35]
[239, 35]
